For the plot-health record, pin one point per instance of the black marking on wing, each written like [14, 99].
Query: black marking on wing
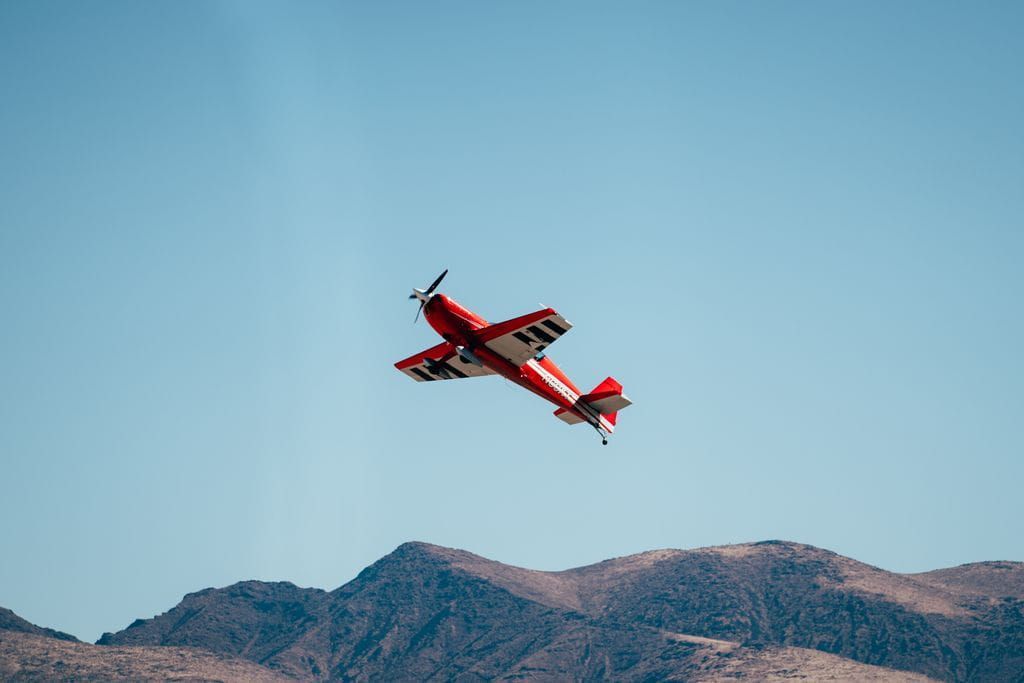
[453, 370]
[524, 338]
[420, 373]
[540, 334]
[553, 326]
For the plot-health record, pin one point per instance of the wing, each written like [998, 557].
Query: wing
[522, 338]
[440, 362]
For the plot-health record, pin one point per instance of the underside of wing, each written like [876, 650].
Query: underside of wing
[520, 339]
[440, 362]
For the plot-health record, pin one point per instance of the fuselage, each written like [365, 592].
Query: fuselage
[459, 325]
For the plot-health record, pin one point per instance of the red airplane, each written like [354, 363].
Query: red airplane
[514, 349]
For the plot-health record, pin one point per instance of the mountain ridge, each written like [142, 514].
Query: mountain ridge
[768, 593]
[9, 621]
[771, 609]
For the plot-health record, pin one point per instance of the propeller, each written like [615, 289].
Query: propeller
[424, 294]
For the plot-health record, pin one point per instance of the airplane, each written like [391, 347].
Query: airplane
[514, 349]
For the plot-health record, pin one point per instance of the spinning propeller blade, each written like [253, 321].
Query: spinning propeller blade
[436, 282]
[424, 294]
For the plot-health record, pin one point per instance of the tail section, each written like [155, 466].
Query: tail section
[601, 406]
[607, 399]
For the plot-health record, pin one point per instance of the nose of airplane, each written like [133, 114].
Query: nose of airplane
[424, 294]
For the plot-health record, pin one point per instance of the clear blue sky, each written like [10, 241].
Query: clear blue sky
[793, 231]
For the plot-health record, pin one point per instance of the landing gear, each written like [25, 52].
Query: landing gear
[604, 441]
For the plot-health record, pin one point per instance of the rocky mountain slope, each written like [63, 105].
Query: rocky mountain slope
[774, 608]
[30, 657]
[9, 621]
[984, 579]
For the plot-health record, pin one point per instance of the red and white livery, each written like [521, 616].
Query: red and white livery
[514, 349]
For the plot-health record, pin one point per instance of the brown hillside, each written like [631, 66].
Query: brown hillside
[426, 611]
[986, 579]
[28, 657]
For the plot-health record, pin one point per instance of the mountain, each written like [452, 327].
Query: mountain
[984, 579]
[9, 621]
[762, 610]
[251, 619]
[30, 657]
[32, 653]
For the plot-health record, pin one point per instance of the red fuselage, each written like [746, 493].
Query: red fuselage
[458, 325]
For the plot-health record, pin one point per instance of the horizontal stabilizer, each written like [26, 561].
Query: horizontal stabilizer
[607, 397]
[568, 417]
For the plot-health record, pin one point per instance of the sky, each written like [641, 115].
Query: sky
[792, 231]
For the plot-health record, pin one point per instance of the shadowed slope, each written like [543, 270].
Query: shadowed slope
[250, 619]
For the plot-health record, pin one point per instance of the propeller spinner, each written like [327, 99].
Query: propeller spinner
[424, 294]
